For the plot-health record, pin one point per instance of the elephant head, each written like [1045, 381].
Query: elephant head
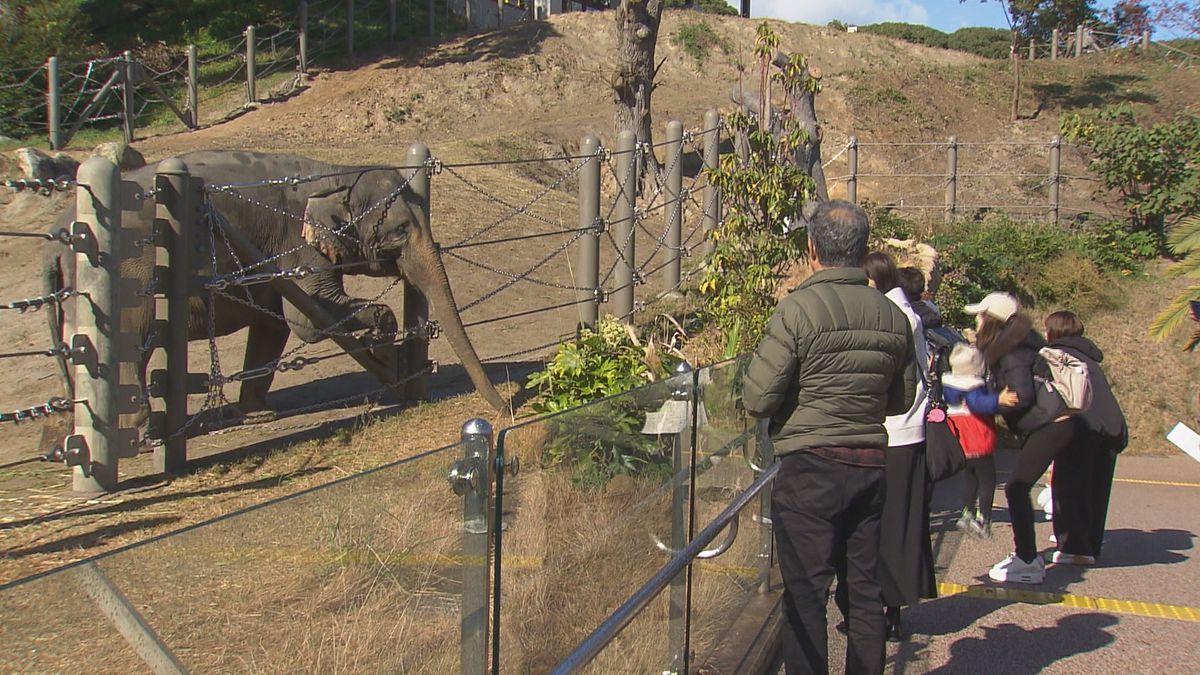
[373, 218]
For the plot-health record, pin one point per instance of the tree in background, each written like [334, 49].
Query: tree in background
[633, 80]
[1182, 17]
[1128, 17]
[706, 6]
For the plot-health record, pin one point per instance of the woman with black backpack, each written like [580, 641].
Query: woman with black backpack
[1083, 472]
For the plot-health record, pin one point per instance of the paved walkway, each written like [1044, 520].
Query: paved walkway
[1136, 611]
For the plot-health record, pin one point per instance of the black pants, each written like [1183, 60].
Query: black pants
[1082, 483]
[817, 507]
[1038, 451]
[980, 475]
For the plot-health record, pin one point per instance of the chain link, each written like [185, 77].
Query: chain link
[53, 406]
[516, 210]
[34, 304]
[43, 186]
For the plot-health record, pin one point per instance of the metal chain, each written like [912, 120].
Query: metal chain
[43, 186]
[34, 304]
[516, 210]
[524, 276]
[55, 405]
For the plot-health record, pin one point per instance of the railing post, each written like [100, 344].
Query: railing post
[98, 440]
[1145, 41]
[391, 20]
[712, 195]
[193, 86]
[681, 459]
[951, 178]
[590, 293]
[471, 477]
[251, 65]
[178, 203]
[53, 106]
[1078, 41]
[415, 353]
[128, 99]
[350, 28]
[1054, 45]
[673, 195]
[1055, 178]
[1033, 49]
[623, 225]
[302, 38]
[852, 179]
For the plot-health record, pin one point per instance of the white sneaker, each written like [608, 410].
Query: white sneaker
[1061, 558]
[1018, 571]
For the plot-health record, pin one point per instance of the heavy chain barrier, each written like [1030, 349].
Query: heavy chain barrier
[54, 406]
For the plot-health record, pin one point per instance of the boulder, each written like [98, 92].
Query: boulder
[120, 154]
[35, 164]
[906, 253]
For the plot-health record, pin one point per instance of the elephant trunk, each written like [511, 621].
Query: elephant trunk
[424, 268]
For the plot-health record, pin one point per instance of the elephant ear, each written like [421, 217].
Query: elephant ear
[329, 209]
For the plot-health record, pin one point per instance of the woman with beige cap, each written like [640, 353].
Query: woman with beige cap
[1005, 336]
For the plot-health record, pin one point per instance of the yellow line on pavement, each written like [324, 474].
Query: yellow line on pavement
[1134, 607]
[1140, 481]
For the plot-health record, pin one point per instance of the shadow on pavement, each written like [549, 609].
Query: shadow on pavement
[1135, 548]
[1022, 650]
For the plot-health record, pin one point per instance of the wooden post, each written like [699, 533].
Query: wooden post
[1055, 177]
[53, 106]
[1033, 49]
[350, 28]
[672, 195]
[951, 178]
[712, 195]
[251, 65]
[129, 102]
[416, 305]
[1054, 45]
[1145, 41]
[589, 295]
[852, 180]
[1078, 41]
[623, 225]
[193, 87]
[302, 34]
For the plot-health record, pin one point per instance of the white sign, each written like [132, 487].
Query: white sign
[1186, 439]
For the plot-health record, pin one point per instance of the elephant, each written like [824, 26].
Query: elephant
[354, 220]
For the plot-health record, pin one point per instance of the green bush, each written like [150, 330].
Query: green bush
[922, 35]
[837, 24]
[698, 39]
[706, 6]
[991, 43]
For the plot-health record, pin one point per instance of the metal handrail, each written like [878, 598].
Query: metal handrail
[618, 620]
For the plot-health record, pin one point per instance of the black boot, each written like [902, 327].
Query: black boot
[891, 618]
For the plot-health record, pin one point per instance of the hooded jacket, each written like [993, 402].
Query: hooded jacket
[1012, 358]
[972, 410]
[1103, 417]
[830, 365]
[908, 427]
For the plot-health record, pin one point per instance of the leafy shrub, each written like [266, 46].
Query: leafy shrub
[1183, 241]
[909, 32]
[837, 24]
[990, 43]
[887, 224]
[698, 39]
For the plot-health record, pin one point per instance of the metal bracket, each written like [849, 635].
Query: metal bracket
[83, 240]
[463, 479]
[197, 383]
[75, 452]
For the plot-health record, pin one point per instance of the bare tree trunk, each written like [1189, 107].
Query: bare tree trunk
[1015, 55]
[633, 80]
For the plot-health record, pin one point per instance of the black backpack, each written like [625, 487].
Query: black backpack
[941, 340]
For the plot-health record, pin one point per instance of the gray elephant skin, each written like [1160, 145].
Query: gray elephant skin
[364, 220]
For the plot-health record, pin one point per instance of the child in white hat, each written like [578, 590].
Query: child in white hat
[971, 409]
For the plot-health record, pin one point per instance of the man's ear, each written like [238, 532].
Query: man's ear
[812, 252]
[329, 209]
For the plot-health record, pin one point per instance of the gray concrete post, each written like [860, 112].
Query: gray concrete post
[391, 20]
[415, 353]
[193, 86]
[951, 178]
[589, 295]
[852, 171]
[1055, 177]
[97, 325]
[472, 478]
[673, 196]
[1078, 41]
[1033, 49]
[712, 162]
[1145, 40]
[53, 105]
[1054, 45]
[129, 102]
[251, 65]
[350, 28]
[178, 207]
[623, 226]
[302, 37]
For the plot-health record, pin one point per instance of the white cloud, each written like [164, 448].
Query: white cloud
[860, 12]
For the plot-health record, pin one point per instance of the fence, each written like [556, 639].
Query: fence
[539, 539]
[194, 88]
[181, 226]
[1085, 40]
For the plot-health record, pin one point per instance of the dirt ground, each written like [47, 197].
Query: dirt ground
[532, 90]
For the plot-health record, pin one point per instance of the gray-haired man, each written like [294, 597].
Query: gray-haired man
[829, 368]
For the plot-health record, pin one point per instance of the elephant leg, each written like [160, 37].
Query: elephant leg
[264, 343]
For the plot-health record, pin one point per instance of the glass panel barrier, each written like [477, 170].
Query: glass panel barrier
[727, 455]
[599, 502]
[361, 575]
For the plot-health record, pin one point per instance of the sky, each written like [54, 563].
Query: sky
[945, 15]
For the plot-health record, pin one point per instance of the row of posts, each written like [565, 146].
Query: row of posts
[1080, 31]
[628, 162]
[1054, 178]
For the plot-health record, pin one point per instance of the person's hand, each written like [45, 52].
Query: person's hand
[1008, 398]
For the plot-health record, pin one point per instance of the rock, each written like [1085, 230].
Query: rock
[120, 154]
[906, 253]
[35, 164]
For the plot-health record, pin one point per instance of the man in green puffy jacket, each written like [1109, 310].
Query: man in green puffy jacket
[829, 368]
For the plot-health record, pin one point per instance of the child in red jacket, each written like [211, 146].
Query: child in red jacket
[972, 409]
